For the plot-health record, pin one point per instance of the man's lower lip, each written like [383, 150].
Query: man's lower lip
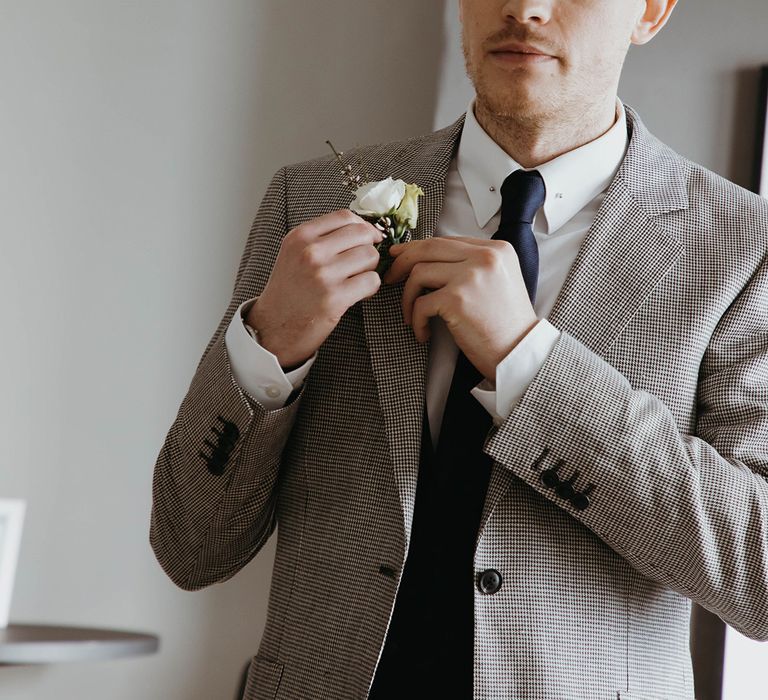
[512, 57]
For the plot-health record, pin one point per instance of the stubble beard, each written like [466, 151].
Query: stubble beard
[524, 111]
[515, 109]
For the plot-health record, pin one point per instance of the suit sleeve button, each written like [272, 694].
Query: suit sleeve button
[580, 501]
[489, 581]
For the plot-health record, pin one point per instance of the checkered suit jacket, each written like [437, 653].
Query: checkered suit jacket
[655, 399]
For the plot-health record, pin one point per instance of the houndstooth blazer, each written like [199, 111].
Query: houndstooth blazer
[655, 399]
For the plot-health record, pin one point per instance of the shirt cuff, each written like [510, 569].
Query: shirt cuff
[255, 369]
[516, 371]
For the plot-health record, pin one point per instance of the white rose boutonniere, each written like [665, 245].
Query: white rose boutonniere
[377, 198]
[390, 205]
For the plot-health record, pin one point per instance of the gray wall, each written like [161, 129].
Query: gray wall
[136, 140]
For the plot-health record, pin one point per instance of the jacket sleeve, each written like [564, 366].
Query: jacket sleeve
[214, 483]
[688, 511]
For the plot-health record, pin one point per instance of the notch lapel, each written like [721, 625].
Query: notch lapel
[398, 360]
[624, 255]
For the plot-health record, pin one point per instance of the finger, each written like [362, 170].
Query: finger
[398, 248]
[470, 239]
[425, 307]
[328, 223]
[360, 286]
[424, 275]
[349, 236]
[322, 251]
[429, 250]
[352, 262]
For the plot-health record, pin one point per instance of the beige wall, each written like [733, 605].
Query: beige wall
[136, 140]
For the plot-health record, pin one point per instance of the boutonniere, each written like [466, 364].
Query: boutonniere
[390, 205]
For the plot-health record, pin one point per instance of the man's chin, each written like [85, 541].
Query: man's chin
[522, 107]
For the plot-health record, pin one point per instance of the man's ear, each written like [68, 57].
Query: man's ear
[653, 18]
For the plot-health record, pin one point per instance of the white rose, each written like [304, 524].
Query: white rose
[378, 198]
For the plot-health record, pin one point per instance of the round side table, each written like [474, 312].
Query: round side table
[43, 644]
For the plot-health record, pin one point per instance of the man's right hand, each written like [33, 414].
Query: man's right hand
[324, 266]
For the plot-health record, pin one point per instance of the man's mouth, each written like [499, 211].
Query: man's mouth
[518, 52]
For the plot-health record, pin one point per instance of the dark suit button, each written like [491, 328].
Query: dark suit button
[216, 466]
[489, 581]
[387, 571]
[549, 476]
[220, 454]
[227, 443]
[231, 433]
[565, 489]
[581, 500]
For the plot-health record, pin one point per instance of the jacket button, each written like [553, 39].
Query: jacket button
[550, 478]
[581, 500]
[489, 581]
[216, 467]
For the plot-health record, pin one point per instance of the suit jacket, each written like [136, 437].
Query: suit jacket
[655, 401]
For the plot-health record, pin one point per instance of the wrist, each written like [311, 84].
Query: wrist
[252, 326]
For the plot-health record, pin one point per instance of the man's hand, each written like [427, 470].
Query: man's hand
[323, 267]
[479, 292]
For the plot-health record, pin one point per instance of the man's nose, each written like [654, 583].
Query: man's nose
[528, 11]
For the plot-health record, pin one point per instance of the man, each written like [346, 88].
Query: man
[621, 363]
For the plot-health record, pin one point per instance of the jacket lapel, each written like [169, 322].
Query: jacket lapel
[625, 254]
[398, 360]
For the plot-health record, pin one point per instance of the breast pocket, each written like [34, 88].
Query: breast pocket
[263, 679]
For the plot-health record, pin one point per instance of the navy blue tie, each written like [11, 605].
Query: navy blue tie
[462, 470]
[464, 419]
[522, 195]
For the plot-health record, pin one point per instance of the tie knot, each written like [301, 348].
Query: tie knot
[522, 195]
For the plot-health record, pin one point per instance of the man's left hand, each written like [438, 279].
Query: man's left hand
[475, 286]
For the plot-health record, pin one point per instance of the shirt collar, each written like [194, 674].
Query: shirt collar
[572, 180]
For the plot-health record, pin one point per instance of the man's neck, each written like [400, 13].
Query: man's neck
[531, 144]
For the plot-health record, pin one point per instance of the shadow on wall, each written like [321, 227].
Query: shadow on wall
[351, 72]
[744, 139]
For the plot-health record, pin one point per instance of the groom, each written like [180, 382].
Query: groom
[506, 469]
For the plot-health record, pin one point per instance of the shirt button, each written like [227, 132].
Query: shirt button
[273, 391]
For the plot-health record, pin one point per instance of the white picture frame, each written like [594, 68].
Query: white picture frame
[11, 521]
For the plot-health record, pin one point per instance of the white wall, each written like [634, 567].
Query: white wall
[136, 140]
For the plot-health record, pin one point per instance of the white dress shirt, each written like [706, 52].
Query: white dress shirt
[575, 187]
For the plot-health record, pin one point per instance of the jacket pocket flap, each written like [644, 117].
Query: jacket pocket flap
[263, 679]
